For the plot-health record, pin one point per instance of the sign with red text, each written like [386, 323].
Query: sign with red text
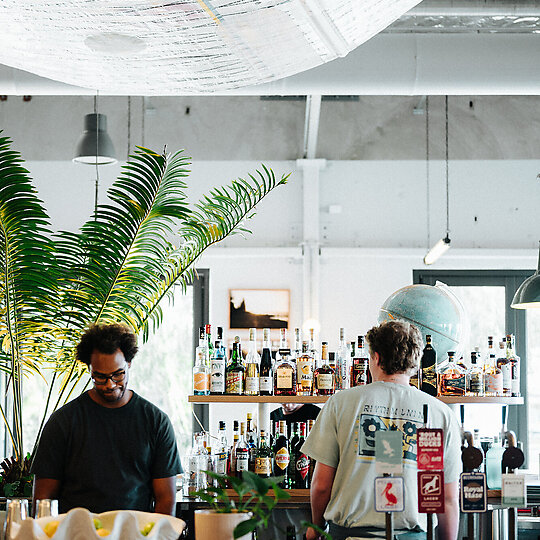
[389, 494]
[430, 449]
[431, 492]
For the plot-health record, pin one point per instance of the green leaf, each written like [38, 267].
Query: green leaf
[245, 527]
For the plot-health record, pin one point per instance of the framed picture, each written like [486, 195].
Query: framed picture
[259, 308]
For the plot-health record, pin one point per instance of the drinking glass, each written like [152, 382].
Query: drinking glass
[45, 508]
[16, 513]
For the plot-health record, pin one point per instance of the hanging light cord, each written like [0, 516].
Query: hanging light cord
[129, 129]
[447, 190]
[427, 175]
[96, 193]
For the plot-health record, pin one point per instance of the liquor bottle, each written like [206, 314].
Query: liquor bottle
[515, 362]
[282, 342]
[266, 379]
[252, 366]
[313, 352]
[342, 358]
[452, 378]
[493, 383]
[217, 365]
[285, 377]
[332, 363]
[209, 344]
[263, 459]
[428, 365]
[234, 373]
[241, 452]
[310, 423]
[360, 366]
[505, 365]
[416, 379]
[324, 375]
[295, 435]
[297, 344]
[281, 454]
[231, 467]
[304, 368]
[251, 439]
[302, 462]
[201, 371]
[222, 454]
[475, 377]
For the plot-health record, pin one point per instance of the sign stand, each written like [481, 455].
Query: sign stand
[389, 520]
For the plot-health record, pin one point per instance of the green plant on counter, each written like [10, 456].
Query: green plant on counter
[119, 267]
[252, 495]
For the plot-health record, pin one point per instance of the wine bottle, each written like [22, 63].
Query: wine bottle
[266, 376]
[252, 365]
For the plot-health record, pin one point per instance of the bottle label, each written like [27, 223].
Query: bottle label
[217, 378]
[265, 384]
[507, 375]
[200, 382]
[305, 373]
[234, 383]
[263, 466]
[494, 383]
[325, 381]
[454, 385]
[242, 460]
[252, 384]
[282, 458]
[475, 383]
[302, 466]
[221, 463]
[284, 378]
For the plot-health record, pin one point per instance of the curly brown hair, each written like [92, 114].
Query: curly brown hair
[399, 345]
[107, 339]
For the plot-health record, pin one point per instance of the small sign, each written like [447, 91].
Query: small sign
[514, 490]
[389, 494]
[388, 452]
[430, 453]
[430, 492]
[473, 492]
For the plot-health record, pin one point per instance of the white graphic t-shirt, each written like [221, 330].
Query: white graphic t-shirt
[343, 437]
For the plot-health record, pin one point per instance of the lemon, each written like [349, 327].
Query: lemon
[103, 532]
[145, 531]
[50, 528]
[97, 523]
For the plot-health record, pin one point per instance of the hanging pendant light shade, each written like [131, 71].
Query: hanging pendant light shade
[95, 147]
[528, 294]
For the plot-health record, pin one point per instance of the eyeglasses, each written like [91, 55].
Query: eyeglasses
[116, 377]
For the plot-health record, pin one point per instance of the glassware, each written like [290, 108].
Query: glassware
[45, 508]
[16, 513]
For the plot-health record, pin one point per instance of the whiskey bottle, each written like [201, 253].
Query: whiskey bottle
[234, 373]
[201, 371]
[515, 362]
[266, 379]
[304, 377]
[505, 365]
[252, 366]
[263, 459]
[302, 462]
[324, 376]
[217, 366]
[428, 366]
[285, 376]
[452, 378]
[493, 379]
[475, 377]
[281, 452]
[360, 366]
[342, 363]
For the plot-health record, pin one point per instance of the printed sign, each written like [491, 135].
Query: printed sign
[389, 494]
[514, 490]
[473, 492]
[388, 452]
[430, 456]
[430, 492]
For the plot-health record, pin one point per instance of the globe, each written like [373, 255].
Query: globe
[435, 310]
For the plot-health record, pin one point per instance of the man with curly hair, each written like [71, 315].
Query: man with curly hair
[109, 448]
[342, 442]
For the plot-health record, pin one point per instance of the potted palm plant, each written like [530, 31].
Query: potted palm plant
[121, 265]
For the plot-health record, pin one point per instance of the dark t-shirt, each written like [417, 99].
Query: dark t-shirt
[107, 458]
[303, 414]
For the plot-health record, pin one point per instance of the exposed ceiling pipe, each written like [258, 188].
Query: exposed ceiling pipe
[388, 64]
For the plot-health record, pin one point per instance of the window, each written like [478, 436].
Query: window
[486, 295]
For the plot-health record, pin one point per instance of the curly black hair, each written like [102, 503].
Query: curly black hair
[399, 345]
[107, 339]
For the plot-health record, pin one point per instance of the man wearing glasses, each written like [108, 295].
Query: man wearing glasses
[108, 449]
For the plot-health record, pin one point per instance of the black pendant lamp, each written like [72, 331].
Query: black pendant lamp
[528, 294]
[95, 147]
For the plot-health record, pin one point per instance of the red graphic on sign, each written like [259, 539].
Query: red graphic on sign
[431, 492]
[429, 444]
[391, 499]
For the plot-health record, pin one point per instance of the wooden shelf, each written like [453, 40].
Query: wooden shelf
[322, 399]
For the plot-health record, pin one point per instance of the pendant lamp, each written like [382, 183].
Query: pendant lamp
[528, 294]
[95, 147]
